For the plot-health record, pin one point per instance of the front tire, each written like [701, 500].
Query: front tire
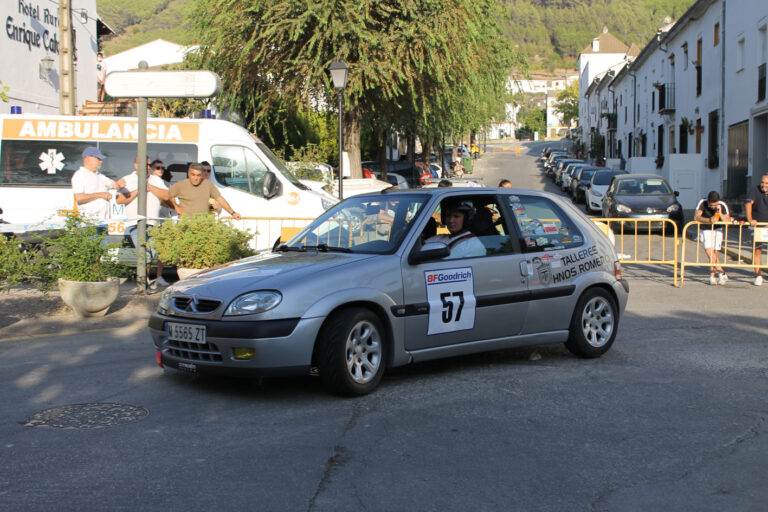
[594, 324]
[351, 352]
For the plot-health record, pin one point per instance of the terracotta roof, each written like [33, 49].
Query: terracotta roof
[633, 51]
[608, 44]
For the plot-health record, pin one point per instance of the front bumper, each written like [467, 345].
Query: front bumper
[281, 347]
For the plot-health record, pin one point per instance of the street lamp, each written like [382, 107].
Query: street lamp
[339, 71]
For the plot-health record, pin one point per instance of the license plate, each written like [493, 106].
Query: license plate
[189, 333]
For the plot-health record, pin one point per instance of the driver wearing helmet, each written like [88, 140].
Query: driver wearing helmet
[457, 217]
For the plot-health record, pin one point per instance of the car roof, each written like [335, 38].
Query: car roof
[631, 176]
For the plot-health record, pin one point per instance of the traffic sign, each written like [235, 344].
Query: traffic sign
[162, 84]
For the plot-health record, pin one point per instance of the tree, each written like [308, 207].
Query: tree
[421, 58]
[3, 92]
[567, 102]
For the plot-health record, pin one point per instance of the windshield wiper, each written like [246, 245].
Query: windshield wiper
[287, 248]
[324, 248]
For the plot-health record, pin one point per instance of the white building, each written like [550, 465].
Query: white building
[603, 53]
[156, 53]
[30, 50]
[692, 106]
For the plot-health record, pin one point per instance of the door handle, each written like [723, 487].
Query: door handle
[523, 270]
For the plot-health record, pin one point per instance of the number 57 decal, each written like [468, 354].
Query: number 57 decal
[448, 305]
[451, 298]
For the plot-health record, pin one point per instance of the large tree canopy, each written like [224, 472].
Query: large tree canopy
[567, 102]
[426, 64]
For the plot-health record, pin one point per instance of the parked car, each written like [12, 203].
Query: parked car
[561, 165]
[364, 288]
[598, 186]
[394, 179]
[568, 172]
[643, 196]
[580, 182]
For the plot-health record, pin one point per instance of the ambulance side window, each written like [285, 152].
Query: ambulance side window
[238, 167]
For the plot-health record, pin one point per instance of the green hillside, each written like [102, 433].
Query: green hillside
[551, 33]
[140, 21]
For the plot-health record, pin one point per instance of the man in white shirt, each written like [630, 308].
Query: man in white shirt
[157, 191]
[457, 217]
[91, 188]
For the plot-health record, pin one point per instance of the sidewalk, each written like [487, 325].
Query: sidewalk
[25, 312]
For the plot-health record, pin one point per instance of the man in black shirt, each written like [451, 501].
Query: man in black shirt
[756, 208]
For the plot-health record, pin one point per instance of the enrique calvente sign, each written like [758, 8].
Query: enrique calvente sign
[34, 26]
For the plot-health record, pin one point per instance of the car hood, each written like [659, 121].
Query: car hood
[264, 271]
[637, 201]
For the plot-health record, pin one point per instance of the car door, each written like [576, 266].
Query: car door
[454, 301]
[554, 250]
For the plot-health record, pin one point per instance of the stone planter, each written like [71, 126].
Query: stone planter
[89, 299]
[185, 273]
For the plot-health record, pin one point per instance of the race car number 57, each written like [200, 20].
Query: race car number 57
[451, 298]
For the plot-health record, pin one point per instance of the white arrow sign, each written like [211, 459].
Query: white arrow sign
[162, 84]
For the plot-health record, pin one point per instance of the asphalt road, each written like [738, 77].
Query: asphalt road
[672, 418]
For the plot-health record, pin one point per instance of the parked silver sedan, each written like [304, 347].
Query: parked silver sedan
[384, 280]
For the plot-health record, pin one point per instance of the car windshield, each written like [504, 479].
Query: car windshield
[280, 165]
[373, 224]
[643, 186]
[603, 178]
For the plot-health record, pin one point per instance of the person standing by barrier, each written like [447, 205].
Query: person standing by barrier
[90, 187]
[711, 211]
[157, 193]
[756, 208]
[195, 192]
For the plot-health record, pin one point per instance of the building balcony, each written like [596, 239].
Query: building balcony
[666, 98]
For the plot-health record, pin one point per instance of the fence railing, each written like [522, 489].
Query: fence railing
[635, 243]
[737, 250]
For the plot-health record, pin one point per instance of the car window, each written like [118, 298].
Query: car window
[368, 224]
[488, 226]
[543, 225]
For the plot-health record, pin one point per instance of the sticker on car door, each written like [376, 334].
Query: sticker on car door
[451, 298]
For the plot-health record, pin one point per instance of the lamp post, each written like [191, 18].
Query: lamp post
[339, 72]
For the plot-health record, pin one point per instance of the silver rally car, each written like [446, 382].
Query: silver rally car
[384, 280]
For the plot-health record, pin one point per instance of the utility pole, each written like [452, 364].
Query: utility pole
[66, 60]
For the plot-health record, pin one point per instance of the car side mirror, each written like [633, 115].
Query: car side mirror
[428, 252]
[271, 185]
[677, 193]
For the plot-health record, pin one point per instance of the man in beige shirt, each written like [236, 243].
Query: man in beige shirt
[195, 193]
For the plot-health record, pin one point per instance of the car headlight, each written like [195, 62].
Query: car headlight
[327, 203]
[165, 301]
[597, 193]
[673, 208]
[623, 209]
[253, 302]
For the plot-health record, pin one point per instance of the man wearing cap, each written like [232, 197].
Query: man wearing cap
[91, 188]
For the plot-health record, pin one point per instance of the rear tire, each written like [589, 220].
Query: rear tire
[351, 352]
[594, 324]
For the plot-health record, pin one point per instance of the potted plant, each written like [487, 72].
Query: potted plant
[79, 261]
[199, 242]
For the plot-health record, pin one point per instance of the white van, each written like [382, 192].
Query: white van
[39, 155]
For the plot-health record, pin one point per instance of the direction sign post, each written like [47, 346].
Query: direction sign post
[145, 84]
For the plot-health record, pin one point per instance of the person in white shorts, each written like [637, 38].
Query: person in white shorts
[157, 192]
[711, 211]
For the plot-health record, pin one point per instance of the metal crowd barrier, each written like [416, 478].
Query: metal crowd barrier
[635, 242]
[737, 238]
[268, 229]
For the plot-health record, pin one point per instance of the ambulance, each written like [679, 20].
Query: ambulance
[39, 154]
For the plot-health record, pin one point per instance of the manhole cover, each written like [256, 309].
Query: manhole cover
[87, 416]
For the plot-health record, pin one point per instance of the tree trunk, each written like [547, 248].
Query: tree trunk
[352, 119]
[426, 149]
[383, 139]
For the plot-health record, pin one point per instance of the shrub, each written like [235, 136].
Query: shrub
[79, 253]
[200, 241]
[15, 263]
